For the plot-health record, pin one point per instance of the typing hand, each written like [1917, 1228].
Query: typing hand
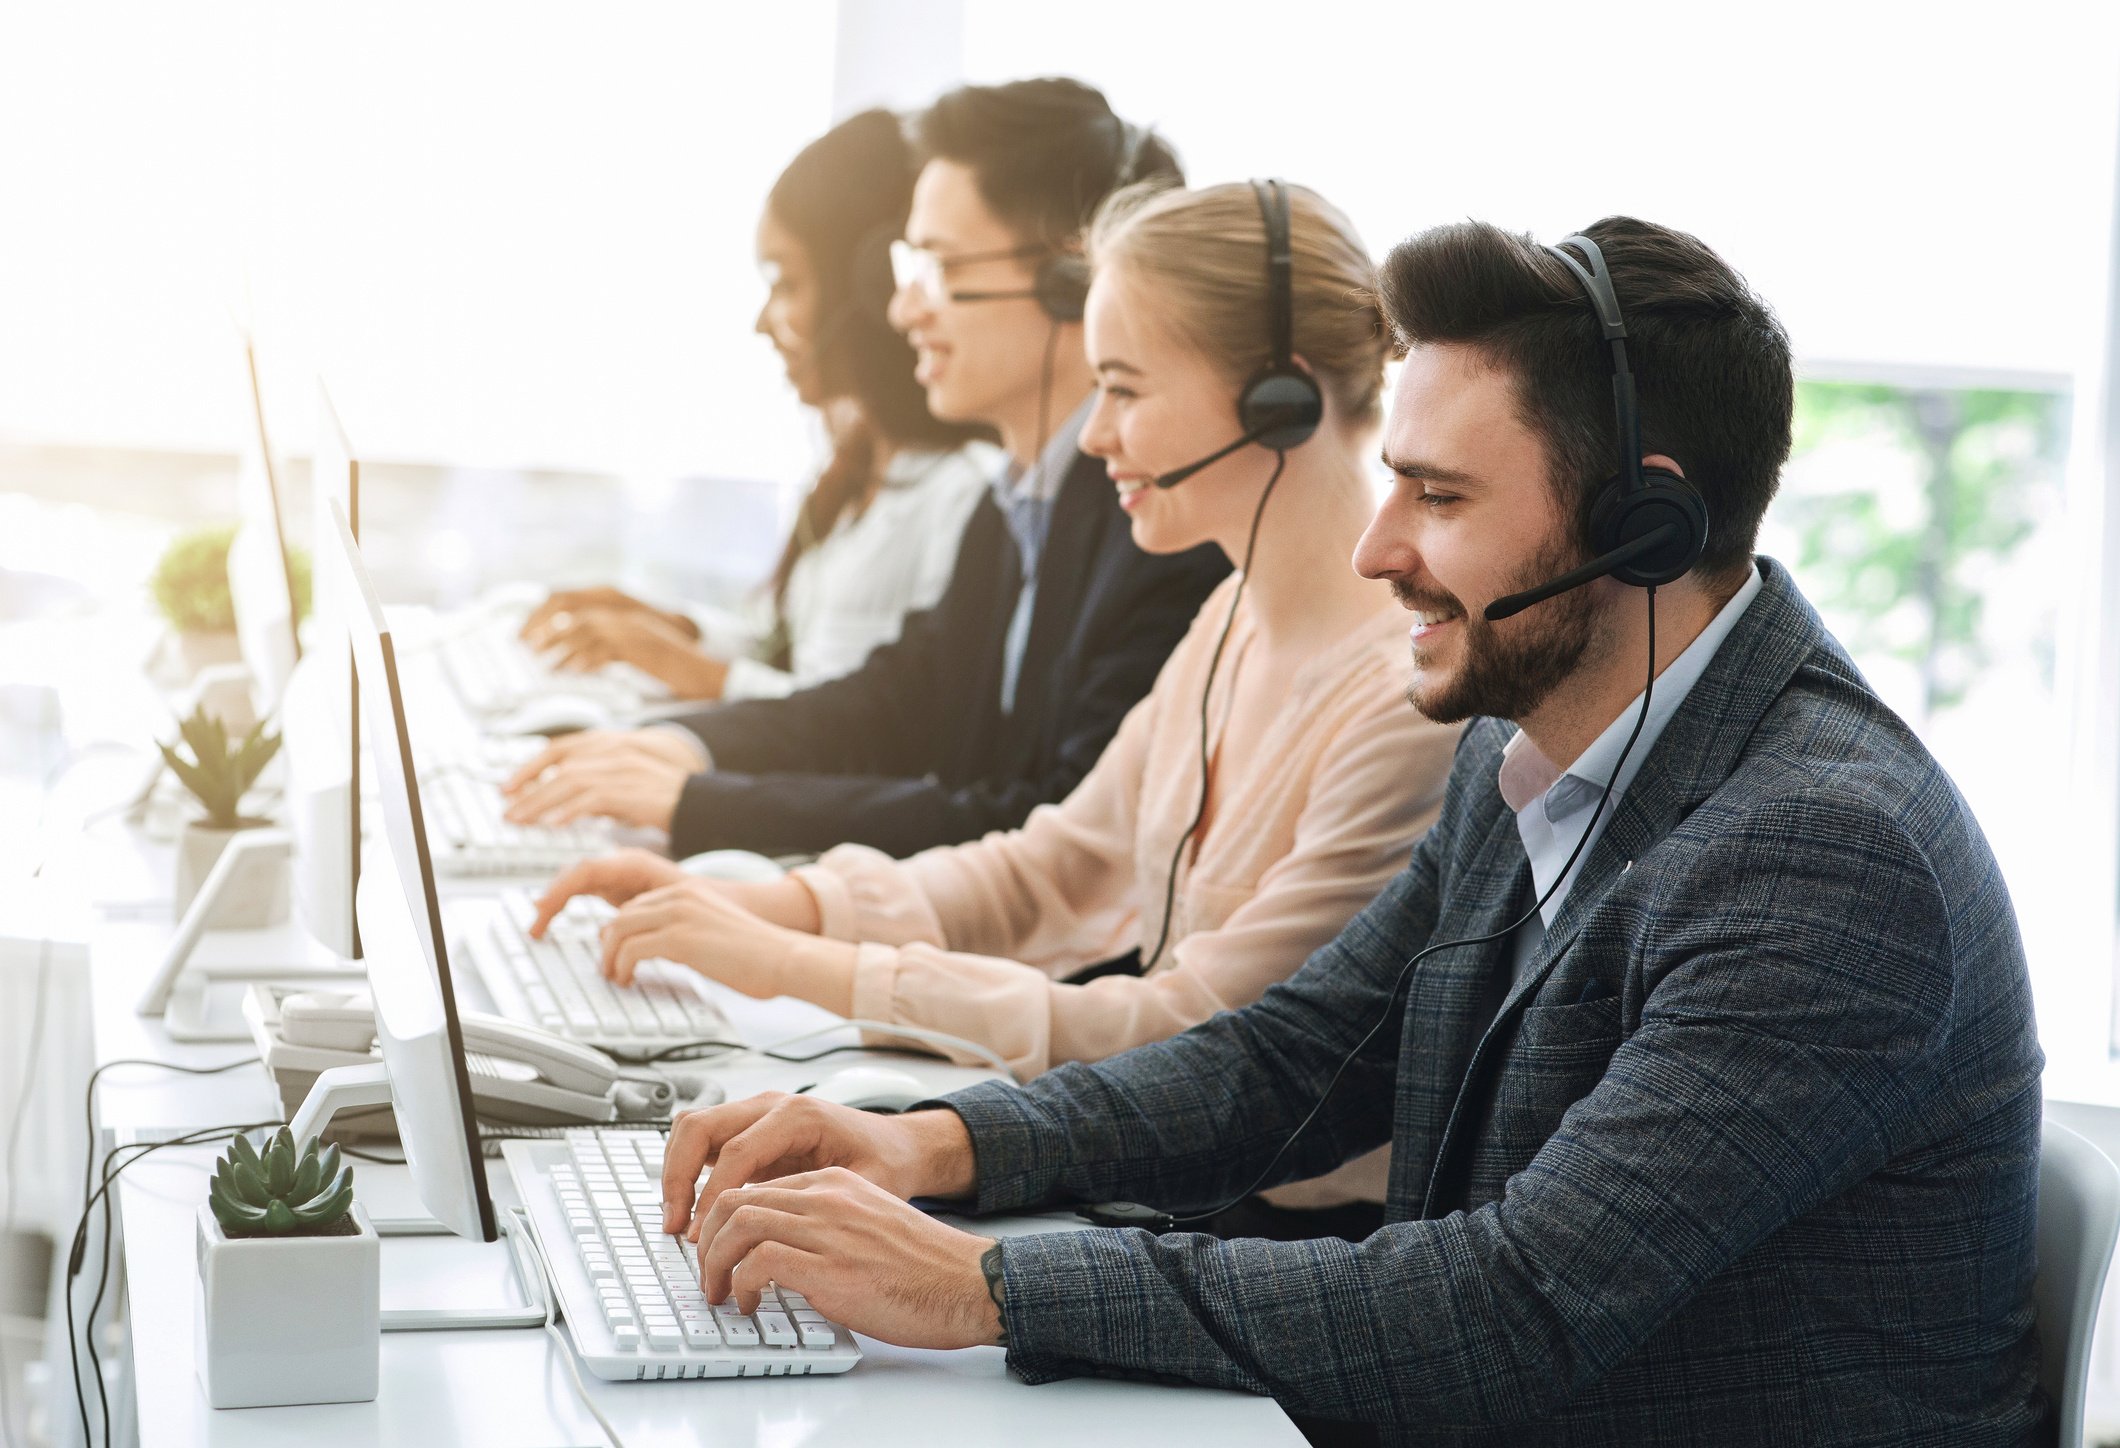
[546, 619]
[695, 923]
[861, 1256]
[924, 1153]
[614, 878]
[632, 776]
[587, 640]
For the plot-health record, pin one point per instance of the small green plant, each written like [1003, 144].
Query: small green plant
[190, 583]
[217, 774]
[281, 1192]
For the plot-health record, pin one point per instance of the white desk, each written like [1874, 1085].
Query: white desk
[508, 1387]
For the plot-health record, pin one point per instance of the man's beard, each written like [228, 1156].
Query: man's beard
[1508, 677]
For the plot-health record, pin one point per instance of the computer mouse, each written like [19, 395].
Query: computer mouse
[872, 1088]
[550, 714]
[731, 865]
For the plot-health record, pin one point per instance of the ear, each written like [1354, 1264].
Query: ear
[1658, 460]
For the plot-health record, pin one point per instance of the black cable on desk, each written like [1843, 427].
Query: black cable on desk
[79, 1247]
[78, 1251]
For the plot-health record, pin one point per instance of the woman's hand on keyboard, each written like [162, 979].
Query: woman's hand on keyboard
[697, 923]
[774, 1134]
[614, 879]
[858, 1254]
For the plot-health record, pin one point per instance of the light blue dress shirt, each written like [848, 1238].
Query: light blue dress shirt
[1551, 812]
[1025, 496]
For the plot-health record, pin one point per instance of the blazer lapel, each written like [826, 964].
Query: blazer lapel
[1697, 752]
[1454, 993]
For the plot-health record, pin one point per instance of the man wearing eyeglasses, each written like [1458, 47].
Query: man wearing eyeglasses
[1054, 624]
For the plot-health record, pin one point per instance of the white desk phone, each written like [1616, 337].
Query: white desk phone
[520, 1075]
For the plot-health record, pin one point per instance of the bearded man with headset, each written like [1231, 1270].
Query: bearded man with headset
[1699, 1024]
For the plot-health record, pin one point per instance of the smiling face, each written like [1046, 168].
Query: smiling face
[978, 360]
[1160, 405]
[1470, 518]
[789, 319]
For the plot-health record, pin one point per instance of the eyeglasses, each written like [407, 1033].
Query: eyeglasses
[916, 268]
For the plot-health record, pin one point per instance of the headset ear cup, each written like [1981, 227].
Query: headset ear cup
[1062, 286]
[1621, 514]
[1281, 407]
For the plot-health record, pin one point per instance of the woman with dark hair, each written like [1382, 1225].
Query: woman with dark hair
[877, 536]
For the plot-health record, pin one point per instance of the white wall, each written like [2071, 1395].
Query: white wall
[508, 233]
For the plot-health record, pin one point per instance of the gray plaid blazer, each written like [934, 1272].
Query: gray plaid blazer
[1750, 1155]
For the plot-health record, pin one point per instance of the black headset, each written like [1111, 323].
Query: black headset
[1280, 408]
[1060, 286]
[1646, 526]
[1281, 405]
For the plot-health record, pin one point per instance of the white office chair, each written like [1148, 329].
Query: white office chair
[2079, 1219]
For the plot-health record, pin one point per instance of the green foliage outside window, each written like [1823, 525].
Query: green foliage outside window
[1912, 578]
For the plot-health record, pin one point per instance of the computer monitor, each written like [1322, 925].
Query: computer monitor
[260, 568]
[320, 716]
[312, 702]
[407, 953]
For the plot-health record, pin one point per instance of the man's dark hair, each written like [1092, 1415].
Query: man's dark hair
[1045, 153]
[1711, 363]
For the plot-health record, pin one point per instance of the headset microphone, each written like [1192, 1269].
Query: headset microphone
[1596, 568]
[1176, 476]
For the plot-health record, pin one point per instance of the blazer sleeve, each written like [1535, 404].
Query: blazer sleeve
[1787, 1043]
[855, 745]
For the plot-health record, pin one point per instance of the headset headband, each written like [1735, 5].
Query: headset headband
[1280, 270]
[1597, 283]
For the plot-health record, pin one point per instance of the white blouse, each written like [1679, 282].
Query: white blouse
[853, 590]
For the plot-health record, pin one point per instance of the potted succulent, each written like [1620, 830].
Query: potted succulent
[190, 586]
[219, 773]
[289, 1305]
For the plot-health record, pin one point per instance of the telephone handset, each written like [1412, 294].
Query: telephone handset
[519, 1074]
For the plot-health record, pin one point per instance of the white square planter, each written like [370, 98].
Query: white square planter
[282, 1320]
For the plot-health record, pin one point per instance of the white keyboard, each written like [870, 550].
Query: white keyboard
[494, 671]
[630, 1293]
[557, 983]
[468, 835]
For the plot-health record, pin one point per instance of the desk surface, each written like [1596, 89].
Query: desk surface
[509, 1387]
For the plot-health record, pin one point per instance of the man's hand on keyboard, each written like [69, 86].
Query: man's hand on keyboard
[860, 1255]
[551, 618]
[773, 1134]
[614, 879]
[633, 776]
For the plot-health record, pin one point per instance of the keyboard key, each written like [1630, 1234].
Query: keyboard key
[700, 1332]
[775, 1328]
[815, 1334]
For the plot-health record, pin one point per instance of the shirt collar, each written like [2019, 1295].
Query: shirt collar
[1526, 773]
[1042, 483]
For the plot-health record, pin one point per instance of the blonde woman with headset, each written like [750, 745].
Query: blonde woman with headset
[1263, 793]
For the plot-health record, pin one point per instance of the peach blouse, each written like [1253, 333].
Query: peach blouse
[974, 939]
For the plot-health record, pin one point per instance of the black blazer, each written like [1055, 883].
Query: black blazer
[912, 749]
